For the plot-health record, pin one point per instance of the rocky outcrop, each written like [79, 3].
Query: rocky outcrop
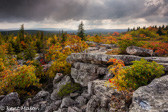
[102, 59]
[151, 98]
[90, 70]
[138, 51]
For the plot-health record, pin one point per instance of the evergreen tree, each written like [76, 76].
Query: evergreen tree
[1, 39]
[42, 36]
[163, 27]
[128, 29]
[155, 26]
[39, 45]
[10, 49]
[63, 37]
[159, 31]
[30, 51]
[21, 33]
[166, 27]
[17, 45]
[81, 31]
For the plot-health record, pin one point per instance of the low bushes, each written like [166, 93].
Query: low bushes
[69, 88]
[139, 74]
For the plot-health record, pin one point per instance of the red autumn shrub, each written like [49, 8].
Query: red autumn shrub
[160, 48]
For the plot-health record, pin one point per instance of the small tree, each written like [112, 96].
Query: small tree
[30, 51]
[63, 37]
[81, 31]
[159, 31]
[21, 33]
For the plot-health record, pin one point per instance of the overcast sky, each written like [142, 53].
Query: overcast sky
[108, 14]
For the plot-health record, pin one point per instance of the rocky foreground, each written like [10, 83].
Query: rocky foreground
[89, 69]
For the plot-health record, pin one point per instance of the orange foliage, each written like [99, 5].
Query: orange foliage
[160, 48]
[75, 43]
[127, 37]
[116, 34]
[142, 35]
[23, 44]
[109, 40]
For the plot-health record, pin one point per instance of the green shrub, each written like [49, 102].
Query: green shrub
[141, 73]
[69, 88]
[20, 56]
[123, 44]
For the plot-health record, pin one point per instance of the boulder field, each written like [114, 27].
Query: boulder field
[89, 71]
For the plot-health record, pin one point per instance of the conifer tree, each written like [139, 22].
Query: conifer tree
[128, 29]
[63, 37]
[159, 31]
[21, 33]
[81, 31]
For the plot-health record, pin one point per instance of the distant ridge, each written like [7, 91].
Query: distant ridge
[56, 30]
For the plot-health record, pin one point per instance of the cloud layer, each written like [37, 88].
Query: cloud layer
[13, 11]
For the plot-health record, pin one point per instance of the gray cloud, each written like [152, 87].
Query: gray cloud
[60, 10]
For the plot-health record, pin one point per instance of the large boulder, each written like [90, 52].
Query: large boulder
[151, 98]
[134, 50]
[11, 99]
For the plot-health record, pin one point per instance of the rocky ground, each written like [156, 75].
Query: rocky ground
[89, 69]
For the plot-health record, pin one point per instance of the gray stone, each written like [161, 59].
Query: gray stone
[102, 49]
[102, 59]
[11, 99]
[28, 102]
[62, 110]
[53, 106]
[41, 96]
[134, 50]
[101, 96]
[151, 98]
[109, 46]
[82, 73]
[82, 77]
[90, 49]
[99, 59]
[67, 102]
[73, 95]
[74, 109]
[80, 101]
[93, 104]
[86, 95]
[39, 107]
[57, 78]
